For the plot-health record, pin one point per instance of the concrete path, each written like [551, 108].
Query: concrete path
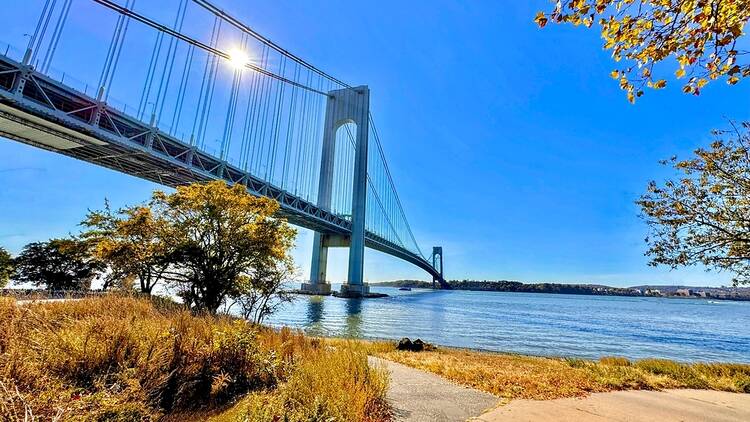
[418, 396]
[630, 406]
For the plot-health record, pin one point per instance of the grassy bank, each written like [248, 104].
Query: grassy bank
[127, 359]
[528, 377]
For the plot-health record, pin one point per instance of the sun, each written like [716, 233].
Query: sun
[238, 58]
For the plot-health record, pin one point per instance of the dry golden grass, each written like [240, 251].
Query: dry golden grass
[127, 359]
[333, 379]
[528, 377]
[508, 376]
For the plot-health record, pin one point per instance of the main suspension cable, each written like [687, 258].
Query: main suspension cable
[182, 37]
[242, 27]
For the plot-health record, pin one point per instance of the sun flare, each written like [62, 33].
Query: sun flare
[238, 58]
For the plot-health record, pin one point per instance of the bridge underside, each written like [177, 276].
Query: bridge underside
[48, 115]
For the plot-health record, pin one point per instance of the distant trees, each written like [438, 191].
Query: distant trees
[701, 36]
[703, 215]
[58, 264]
[6, 267]
[517, 286]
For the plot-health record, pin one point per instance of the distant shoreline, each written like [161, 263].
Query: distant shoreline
[684, 292]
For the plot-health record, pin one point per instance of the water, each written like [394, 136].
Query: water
[536, 324]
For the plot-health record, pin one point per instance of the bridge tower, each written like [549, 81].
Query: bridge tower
[437, 263]
[349, 105]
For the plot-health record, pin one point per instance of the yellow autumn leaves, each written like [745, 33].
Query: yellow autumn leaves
[701, 36]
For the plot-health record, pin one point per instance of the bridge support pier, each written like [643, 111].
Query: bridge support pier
[317, 284]
[437, 263]
[349, 105]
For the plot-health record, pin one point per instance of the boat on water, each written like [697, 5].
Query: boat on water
[406, 289]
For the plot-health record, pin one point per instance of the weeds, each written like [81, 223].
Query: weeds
[516, 376]
[338, 379]
[130, 359]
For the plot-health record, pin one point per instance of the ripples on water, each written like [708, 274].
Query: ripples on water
[536, 324]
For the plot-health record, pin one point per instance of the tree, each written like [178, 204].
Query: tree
[219, 235]
[702, 36]
[703, 217]
[58, 264]
[6, 267]
[260, 293]
[132, 243]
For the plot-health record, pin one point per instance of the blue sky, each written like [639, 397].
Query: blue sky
[510, 146]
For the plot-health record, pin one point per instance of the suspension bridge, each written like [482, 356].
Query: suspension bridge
[181, 91]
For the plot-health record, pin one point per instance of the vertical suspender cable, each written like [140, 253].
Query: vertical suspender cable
[300, 146]
[181, 90]
[279, 111]
[261, 123]
[210, 80]
[39, 22]
[318, 146]
[312, 136]
[204, 82]
[307, 143]
[41, 27]
[117, 53]
[272, 137]
[246, 138]
[289, 127]
[229, 120]
[146, 92]
[265, 142]
[250, 117]
[56, 36]
[113, 54]
[110, 52]
[166, 73]
[231, 110]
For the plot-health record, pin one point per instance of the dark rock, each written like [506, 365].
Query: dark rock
[417, 345]
[414, 346]
[404, 344]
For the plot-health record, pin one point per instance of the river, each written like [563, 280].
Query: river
[536, 323]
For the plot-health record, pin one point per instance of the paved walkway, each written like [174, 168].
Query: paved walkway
[630, 406]
[418, 396]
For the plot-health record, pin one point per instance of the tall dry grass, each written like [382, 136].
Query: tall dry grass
[342, 385]
[123, 359]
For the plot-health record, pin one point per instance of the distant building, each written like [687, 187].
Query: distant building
[683, 292]
[653, 292]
